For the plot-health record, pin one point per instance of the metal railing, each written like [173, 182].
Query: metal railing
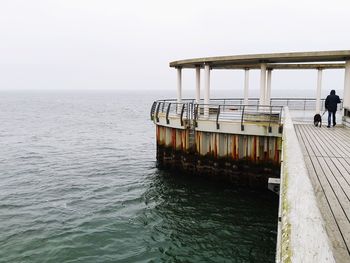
[218, 111]
[292, 103]
[239, 113]
[303, 104]
[171, 108]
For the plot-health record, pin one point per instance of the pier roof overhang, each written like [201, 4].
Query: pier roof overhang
[294, 60]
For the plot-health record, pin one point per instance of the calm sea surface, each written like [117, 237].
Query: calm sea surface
[79, 183]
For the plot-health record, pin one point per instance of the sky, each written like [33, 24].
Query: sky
[109, 44]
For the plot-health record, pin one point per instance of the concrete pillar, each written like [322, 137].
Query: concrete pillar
[206, 90]
[179, 85]
[346, 94]
[318, 92]
[198, 84]
[179, 90]
[268, 87]
[262, 84]
[246, 86]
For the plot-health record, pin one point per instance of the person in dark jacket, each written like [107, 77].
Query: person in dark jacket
[331, 105]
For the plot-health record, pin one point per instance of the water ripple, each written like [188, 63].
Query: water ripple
[79, 183]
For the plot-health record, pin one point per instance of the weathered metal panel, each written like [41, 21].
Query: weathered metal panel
[220, 145]
[185, 139]
[173, 138]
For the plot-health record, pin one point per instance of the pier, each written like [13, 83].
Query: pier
[263, 142]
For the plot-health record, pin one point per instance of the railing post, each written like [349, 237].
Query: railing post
[280, 129]
[157, 112]
[167, 114]
[195, 117]
[188, 112]
[182, 114]
[242, 126]
[217, 119]
[152, 110]
[270, 128]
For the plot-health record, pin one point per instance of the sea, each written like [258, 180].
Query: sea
[79, 182]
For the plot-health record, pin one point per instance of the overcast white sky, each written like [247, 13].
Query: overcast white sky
[109, 44]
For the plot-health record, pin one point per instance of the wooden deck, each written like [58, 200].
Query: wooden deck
[327, 156]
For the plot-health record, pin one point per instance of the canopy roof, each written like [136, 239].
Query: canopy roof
[297, 60]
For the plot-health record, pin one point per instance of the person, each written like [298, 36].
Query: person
[331, 105]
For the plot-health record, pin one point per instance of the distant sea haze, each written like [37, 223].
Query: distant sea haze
[79, 183]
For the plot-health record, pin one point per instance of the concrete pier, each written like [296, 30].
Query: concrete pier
[241, 144]
[241, 159]
[255, 142]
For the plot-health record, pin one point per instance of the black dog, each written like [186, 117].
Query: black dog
[317, 120]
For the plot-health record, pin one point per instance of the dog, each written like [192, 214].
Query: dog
[318, 120]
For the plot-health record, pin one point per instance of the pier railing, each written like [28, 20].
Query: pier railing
[219, 111]
[170, 108]
[304, 104]
[294, 104]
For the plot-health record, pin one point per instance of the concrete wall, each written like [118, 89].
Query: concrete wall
[301, 232]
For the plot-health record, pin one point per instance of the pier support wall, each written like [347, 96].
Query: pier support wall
[243, 159]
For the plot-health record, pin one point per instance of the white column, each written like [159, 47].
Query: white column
[346, 95]
[268, 87]
[206, 90]
[179, 90]
[262, 84]
[318, 92]
[246, 86]
[179, 85]
[198, 84]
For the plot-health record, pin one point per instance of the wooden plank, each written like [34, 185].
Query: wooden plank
[333, 202]
[317, 140]
[311, 148]
[346, 164]
[299, 136]
[340, 135]
[340, 145]
[308, 147]
[332, 141]
[331, 171]
[333, 148]
[326, 157]
[343, 170]
[339, 247]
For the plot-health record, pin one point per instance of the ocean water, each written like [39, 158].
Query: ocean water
[79, 183]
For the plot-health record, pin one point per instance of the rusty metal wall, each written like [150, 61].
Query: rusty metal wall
[171, 137]
[221, 145]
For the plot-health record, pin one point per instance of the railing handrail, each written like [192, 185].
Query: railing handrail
[297, 103]
[250, 99]
[190, 112]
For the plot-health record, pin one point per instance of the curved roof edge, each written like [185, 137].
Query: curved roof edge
[252, 60]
